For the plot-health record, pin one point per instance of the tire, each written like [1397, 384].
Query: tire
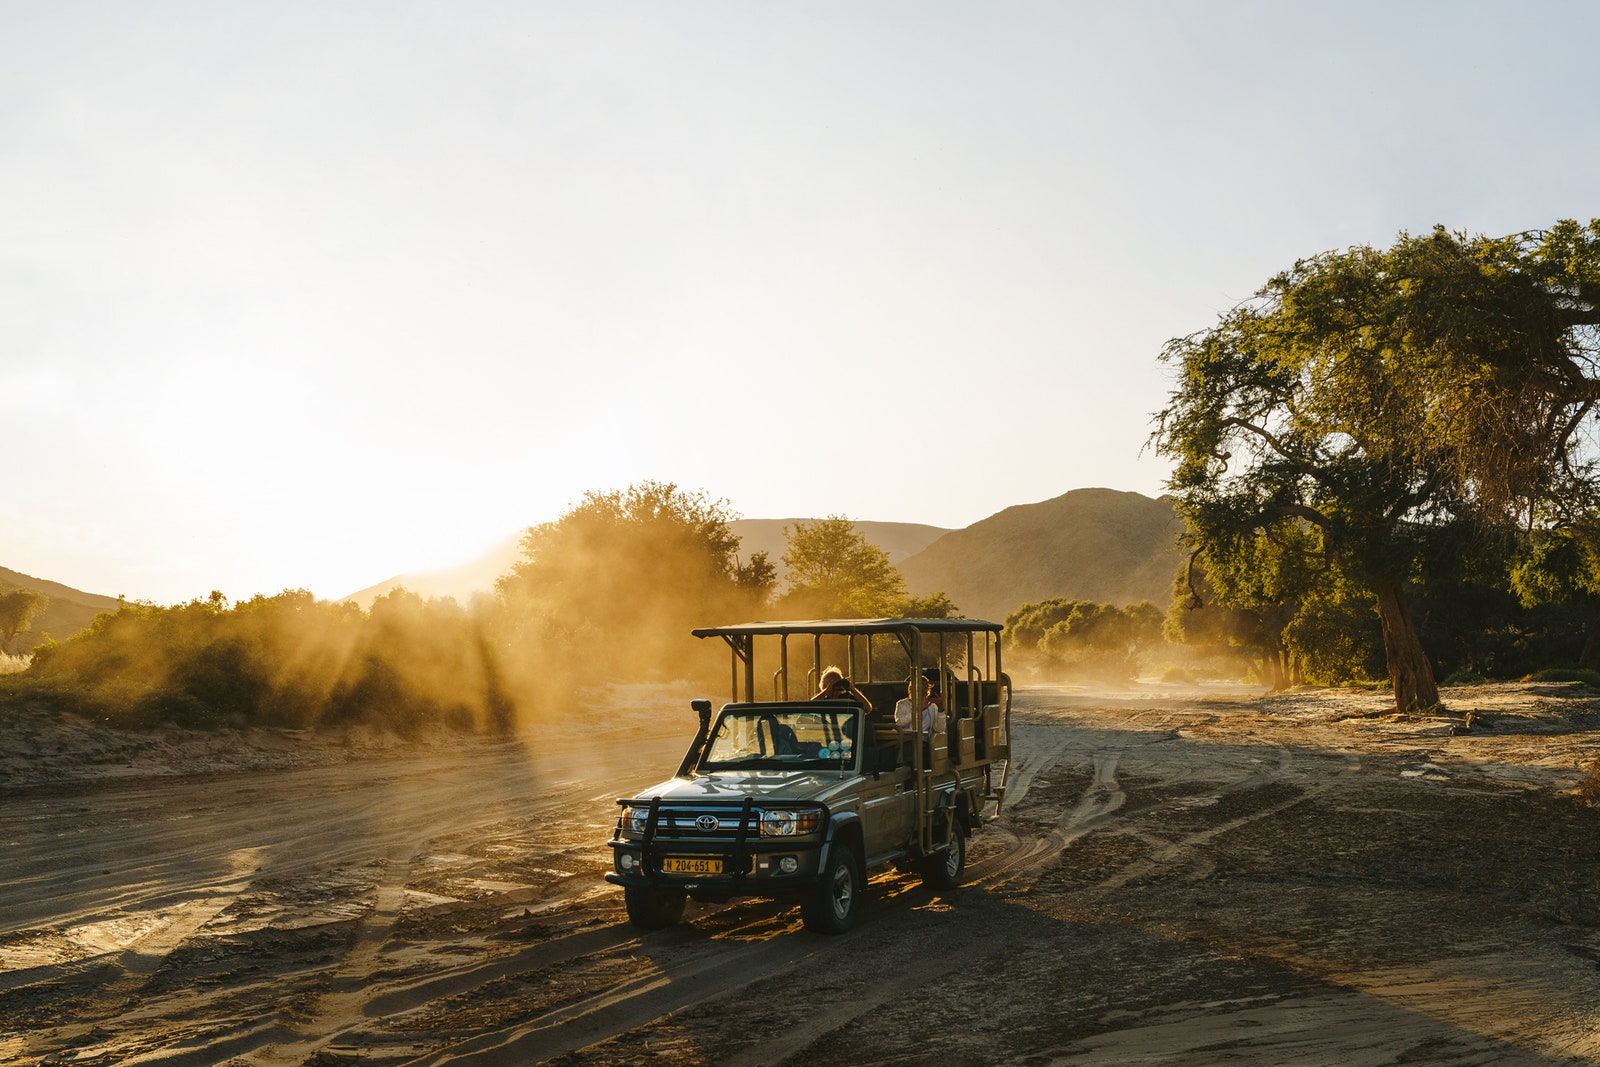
[653, 909]
[830, 907]
[944, 868]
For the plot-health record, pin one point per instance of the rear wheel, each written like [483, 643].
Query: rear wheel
[831, 906]
[944, 868]
[653, 909]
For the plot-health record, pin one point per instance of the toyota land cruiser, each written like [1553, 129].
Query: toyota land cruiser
[798, 799]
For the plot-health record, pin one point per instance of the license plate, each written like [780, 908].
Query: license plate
[691, 865]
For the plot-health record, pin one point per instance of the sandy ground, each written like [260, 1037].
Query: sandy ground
[1179, 877]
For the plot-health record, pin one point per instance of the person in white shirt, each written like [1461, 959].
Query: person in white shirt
[932, 711]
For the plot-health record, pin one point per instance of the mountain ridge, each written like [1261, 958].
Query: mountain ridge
[1106, 545]
[66, 610]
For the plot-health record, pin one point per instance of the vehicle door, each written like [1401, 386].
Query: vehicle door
[888, 811]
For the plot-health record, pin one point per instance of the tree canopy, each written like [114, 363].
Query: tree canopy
[1082, 637]
[624, 575]
[18, 609]
[1378, 407]
[835, 572]
[1562, 567]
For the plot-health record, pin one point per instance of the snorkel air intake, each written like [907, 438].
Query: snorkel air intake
[703, 709]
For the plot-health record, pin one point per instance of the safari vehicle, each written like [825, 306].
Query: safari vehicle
[797, 799]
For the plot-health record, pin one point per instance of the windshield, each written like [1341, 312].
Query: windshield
[778, 738]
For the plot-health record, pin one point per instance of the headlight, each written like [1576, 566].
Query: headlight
[788, 823]
[635, 820]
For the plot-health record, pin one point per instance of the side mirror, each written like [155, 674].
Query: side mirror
[700, 705]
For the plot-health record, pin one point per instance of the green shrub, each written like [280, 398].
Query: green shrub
[18, 690]
[1567, 674]
[286, 661]
[166, 706]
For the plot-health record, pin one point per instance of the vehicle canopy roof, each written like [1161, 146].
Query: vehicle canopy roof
[975, 649]
[850, 627]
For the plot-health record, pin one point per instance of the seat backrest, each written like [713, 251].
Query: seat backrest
[884, 696]
[785, 743]
[988, 694]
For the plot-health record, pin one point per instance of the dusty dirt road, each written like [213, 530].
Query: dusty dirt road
[1178, 878]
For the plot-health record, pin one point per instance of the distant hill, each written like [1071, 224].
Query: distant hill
[899, 540]
[1089, 544]
[462, 583]
[68, 610]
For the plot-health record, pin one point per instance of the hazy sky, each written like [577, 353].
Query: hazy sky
[303, 295]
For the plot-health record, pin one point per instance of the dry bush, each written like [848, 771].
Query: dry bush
[1589, 788]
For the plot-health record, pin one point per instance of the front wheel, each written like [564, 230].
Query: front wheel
[944, 868]
[653, 909]
[830, 908]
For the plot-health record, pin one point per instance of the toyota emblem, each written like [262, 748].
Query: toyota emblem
[706, 823]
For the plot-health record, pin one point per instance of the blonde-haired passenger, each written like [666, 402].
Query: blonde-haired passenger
[835, 686]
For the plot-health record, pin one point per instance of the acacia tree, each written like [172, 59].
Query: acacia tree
[18, 609]
[1264, 576]
[1102, 639]
[835, 571]
[624, 575]
[1385, 397]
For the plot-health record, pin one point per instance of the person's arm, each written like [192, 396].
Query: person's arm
[859, 697]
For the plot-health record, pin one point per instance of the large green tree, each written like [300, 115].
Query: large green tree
[834, 571]
[1388, 399]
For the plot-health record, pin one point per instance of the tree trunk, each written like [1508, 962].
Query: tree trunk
[1409, 669]
[1274, 667]
[1591, 638]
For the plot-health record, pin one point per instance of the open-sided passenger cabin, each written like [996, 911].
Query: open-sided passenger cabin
[973, 727]
[885, 659]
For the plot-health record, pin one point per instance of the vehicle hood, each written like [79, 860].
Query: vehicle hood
[766, 786]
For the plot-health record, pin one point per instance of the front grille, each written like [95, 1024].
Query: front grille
[703, 826]
[707, 823]
[728, 831]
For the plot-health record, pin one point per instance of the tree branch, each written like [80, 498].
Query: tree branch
[1572, 425]
[1307, 512]
[1195, 600]
[1276, 445]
